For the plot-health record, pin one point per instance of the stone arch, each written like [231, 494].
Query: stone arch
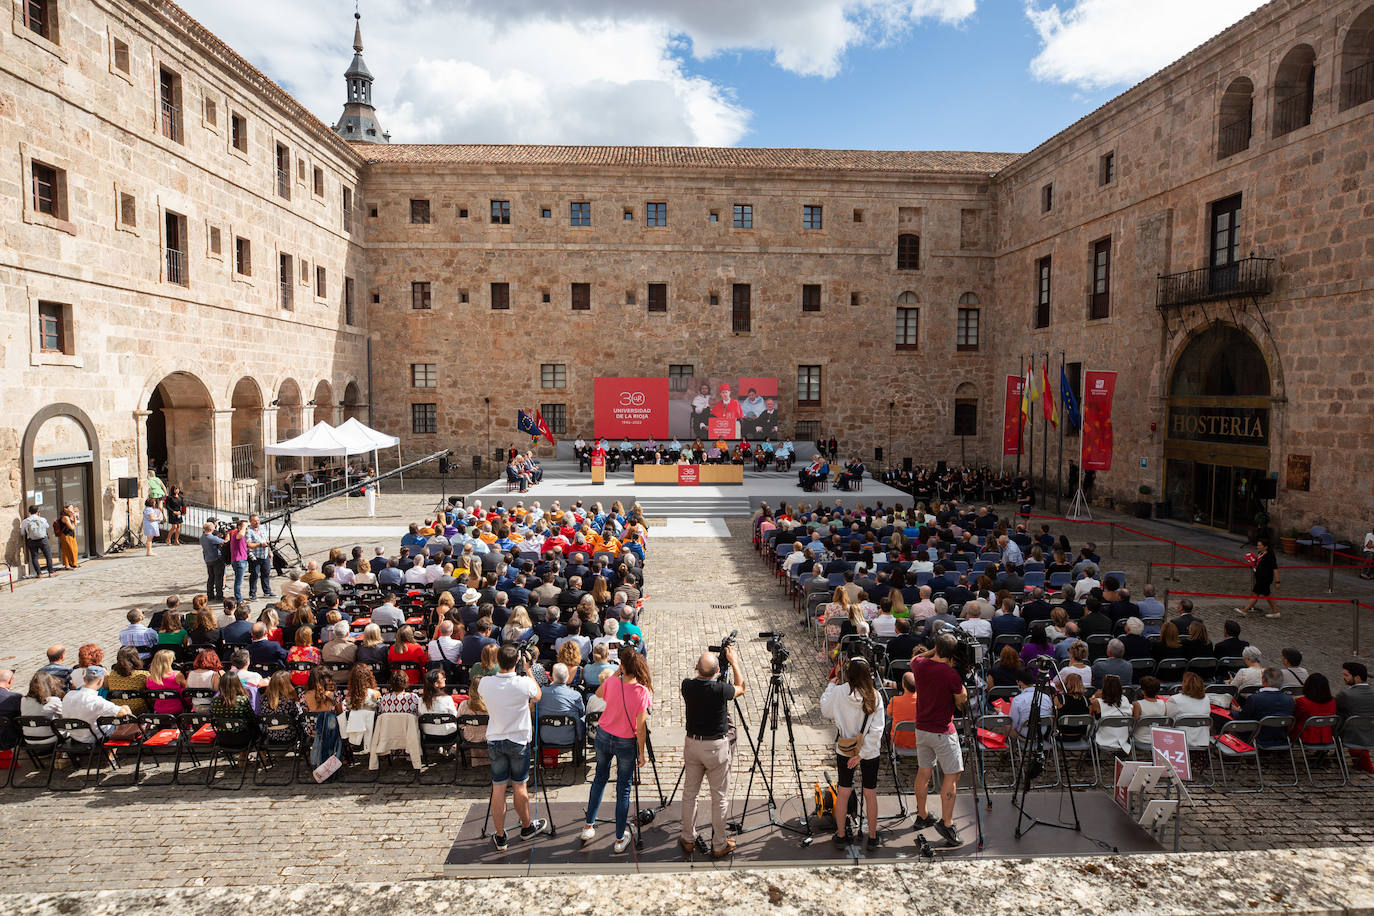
[323, 403]
[289, 401]
[180, 433]
[1294, 90]
[100, 505]
[1357, 61]
[1235, 117]
[1194, 343]
[246, 429]
[353, 405]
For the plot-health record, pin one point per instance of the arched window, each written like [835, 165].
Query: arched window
[908, 251]
[966, 331]
[908, 321]
[1357, 61]
[1235, 117]
[1293, 86]
[966, 410]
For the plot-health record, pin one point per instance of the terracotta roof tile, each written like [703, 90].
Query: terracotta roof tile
[703, 157]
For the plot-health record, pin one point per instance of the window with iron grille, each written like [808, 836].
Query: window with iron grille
[169, 101]
[47, 189]
[908, 251]
[424, 419]
[658, 297]
[808, 386]
[283, 159]
[500, 212]
[553, 375]
[348, 301]
[175, 249]
[419, 212]
[1101, 301]
[581, 297]
[420, 295]
[500, 295]
[808, 430]
[744, 216]
[966, 333]
[556, 416]
[656, 214]
[965, 416]
[680, 376]
[908, 327]
[580, 213]
[284, 277]
[811, 217]
[740, 313]
[52, 330]
[1042, 293]
[424, 375]
[811, 297]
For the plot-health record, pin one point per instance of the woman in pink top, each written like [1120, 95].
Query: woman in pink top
[620, 735]
[161, 676]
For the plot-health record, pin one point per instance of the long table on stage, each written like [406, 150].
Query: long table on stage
[706, 474]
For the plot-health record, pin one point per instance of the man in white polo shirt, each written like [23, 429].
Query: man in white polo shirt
[88, 704]
[510, 731]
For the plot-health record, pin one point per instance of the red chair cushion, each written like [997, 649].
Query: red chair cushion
[992, 740]
[163, 737]
[204, 735]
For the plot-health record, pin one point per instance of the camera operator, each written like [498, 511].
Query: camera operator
[939, 692]
[510, 733]
[710, 745]
[212, 552]
[859, 720]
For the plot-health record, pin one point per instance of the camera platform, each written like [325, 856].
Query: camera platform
[1105, 826]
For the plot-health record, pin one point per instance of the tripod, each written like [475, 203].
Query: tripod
[1033, 764]
[776, 704]
[130, 539]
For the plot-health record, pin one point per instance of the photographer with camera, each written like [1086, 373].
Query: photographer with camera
[939, 692]
[859, 720]
[510, 734]
[710, 744]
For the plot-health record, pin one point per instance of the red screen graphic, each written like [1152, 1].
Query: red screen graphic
[630, 408]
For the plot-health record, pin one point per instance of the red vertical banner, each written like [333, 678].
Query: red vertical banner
[1011, 416]
[1098, 390]
[688, 475]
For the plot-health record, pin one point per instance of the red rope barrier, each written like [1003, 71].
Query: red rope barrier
[1283, 598]
[1362, 604]
[1361, 561]
[1222, 566]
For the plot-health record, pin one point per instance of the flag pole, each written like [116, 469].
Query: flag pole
[1030, 418]
[1063, 418]
[1079, 507]
[1020, 414]
[1045, 432]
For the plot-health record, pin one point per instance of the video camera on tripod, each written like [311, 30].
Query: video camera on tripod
[780, 653]
[969, 651]
[529, 652]
[723, 663]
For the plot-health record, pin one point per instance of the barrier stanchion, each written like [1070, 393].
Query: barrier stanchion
[1331, 576]
[1355, 626]
[1149, 567]
[1111, 537]
[1173, 556]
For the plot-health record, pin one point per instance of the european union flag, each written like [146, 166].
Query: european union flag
[1070, 402]
[525, 423]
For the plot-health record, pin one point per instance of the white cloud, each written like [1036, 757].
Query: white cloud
[554, 71]
[1099, 43]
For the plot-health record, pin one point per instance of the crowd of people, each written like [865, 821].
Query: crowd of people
[761, 455]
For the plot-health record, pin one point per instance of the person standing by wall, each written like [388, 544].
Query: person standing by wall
[65, 529]
[259, 559]
[35, 528]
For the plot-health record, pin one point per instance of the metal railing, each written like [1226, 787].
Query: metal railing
[176, 266]
[1357, 85]
[241, 460]
[283, 183]
[1293, 112]
[171, 121]
[347, 219]
[1234, 138]
[286, 294]
[1245, 277]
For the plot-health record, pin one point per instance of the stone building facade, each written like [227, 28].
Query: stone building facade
[191, 259]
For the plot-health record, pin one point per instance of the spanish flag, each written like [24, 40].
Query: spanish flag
[1050, 404]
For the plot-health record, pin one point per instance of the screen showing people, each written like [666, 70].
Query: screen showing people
[726, 408]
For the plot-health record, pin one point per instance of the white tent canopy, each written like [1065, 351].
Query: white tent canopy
[354, 431]
[320, 441]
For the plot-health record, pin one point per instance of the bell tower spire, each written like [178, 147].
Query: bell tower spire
[359, 119]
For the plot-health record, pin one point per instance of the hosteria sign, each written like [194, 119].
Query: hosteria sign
[1228, 425]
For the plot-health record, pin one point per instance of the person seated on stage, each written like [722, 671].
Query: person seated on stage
[674, 449]
[713, 455]
[686, 456]
[853, 470]
[740, 455]
[613, 459]
[625, 447]
[531, 465]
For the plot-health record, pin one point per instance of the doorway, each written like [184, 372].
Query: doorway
[62, 485]
[1216, 495]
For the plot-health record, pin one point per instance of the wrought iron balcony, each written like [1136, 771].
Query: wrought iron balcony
[176, 266]
[1246, 278]
[1357, 85]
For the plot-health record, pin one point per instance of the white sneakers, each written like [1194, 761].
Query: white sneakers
[622, 844]
[588, 833]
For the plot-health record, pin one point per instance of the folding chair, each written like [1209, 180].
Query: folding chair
[280, 738]
[1274, 746]
[1171, 670]
[1349, 741]
[1007, 639]
[202, 694]
[1118, 575]
[232, 735]
[1186, 722]
[80, 742]
[125, 746]
[1111, 722]
[1228, 666]
[162, 737]
[37, 738]
[907, 727]
[431, 743]
[1140, 667]
[989, 728]
[1242, 731]
[1097, 646]
[1084, 745]
[1142, 726]
[467, 747]
[1059, 579]
[1332, 747]
[1034, 580]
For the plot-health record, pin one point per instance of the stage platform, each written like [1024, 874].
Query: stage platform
[1105, 829]
[565, 483]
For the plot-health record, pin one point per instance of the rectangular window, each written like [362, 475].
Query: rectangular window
[1047, 198]
[808, 430]
[211, 112]
[656, 214]
[556, 415]
[811, 217]
[347, 205]
[545, 213]
[305, 272]
[38, 16]
[243, 257]
[680, 376]
[966, 335]
[808, 386]
[128, 210]
[349, 317]
[169, 101]
[500, 295]
[175, 246]
[500, 212]
[628, 215]
[740, 317]
[1101, 305]
[419, 212]
[744, 216]
[811, 297]
[319, 181]
[121, 56]
[1106, 170]
[553, 375]
[908, 328]
[581, 297]
[965, 417]
[238, 131]
[420, 295]
[47, 190]
[908, 251]
[284, 277]
[580, 213]
[321, 283]
[658, 297]
[300, 170]
[283, 161]
[52, 330]
[424, 375]
[424, 419]
[1042, 293]
[215, 244]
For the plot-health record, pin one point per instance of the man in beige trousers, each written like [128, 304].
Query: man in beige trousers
[709, 747]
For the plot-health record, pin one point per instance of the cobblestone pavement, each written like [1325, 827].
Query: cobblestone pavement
[698, 590]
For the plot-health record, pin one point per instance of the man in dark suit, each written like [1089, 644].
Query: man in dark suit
[1123, 608]
[1269, 700]
[264, 651]
[1137, 646]
[1005, 624]
[1185, 618]
[1071, 607]
[904, 644]
[1037, 608]
[960, 593]
[1094, 622]
[940, 581]
[518, 595]
[240, 632]
[1010, 580]
[1232, 646]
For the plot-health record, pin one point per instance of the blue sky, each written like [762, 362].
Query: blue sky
[999, 75]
